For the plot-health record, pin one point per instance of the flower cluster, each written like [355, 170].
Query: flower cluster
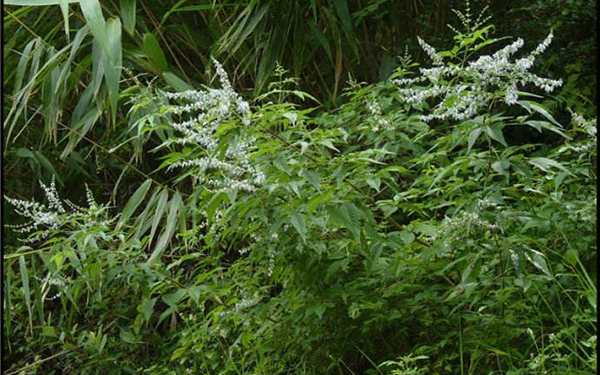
[59, 281]
[46, 218]
[589, 126]
[379, 122]
[209, 109]
[466, 89]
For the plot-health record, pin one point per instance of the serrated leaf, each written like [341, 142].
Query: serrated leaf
[327, 143]
[298, 221]
[172, 299]
[407, 237]
[147, 308]
[533, 106]
[349, 215]
[496, 134]
[374, 182]
[475, 133]
[545, 164]
[571, 257]
[194, 293]
[314, 178]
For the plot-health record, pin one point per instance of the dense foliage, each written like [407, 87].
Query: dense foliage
[441, 221]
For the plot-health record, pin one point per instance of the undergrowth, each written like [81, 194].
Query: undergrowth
[403, 233]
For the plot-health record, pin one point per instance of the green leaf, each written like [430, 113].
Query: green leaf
[349, 215]
[26, 291]
[327, 143]
[314, 178]
[37, 2]
[175, 82]
[571, 257]
[45, 163]
[133, 203]
[155, 53]
[501, 166]
[48, 331]
[298, 221]
[80, 128]
[242, 28]
[407, 237]
[128, 337]
[22, 66]
[194, 293]
[92, 12]
[496, 134]
[539, 125]
[161, 206]
[537, 259]
[172, 299]
[535, 107]
[147, 308]
[214, 203]
[128, 15]
[374, 182]
[545, 164]
[475, 133]
[64, 8]
[172, 219]
[112, 70]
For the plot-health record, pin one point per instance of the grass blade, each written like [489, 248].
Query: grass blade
[26, 291]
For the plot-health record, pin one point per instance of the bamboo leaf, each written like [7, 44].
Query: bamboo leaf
[92, 12]
[158, 214]
[22, 66]
[175, 82]
[80, 129]
[38, 2]
[243, 28]
[155, 53]
[64, 7]
[142, 223]
[172, 219]
[134, 202]
[26, 291]
[112, 71]
[128, 15]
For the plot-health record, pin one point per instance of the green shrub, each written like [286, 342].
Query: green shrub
[402, 233]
